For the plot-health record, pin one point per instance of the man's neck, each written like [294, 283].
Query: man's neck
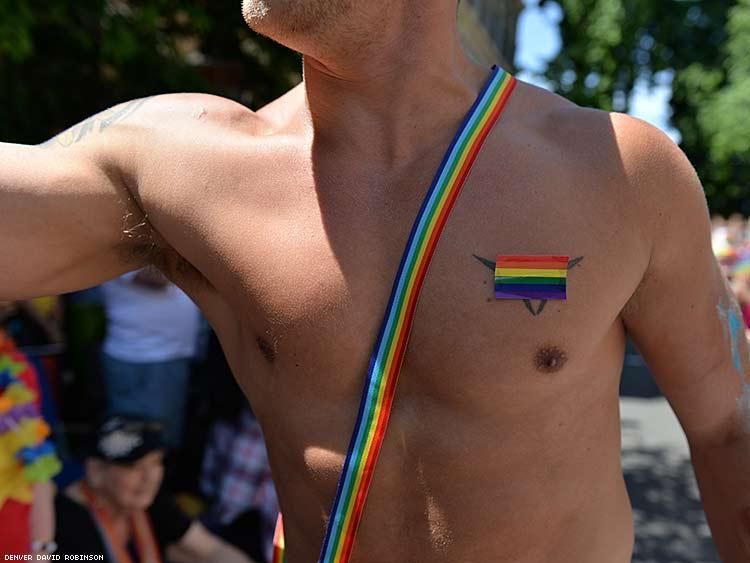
[387, 99]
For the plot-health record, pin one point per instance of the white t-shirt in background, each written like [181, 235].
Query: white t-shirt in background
[147, 325]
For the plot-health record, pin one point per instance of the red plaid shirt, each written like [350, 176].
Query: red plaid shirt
[237, 476]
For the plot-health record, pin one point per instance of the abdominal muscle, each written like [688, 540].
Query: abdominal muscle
[446, 489]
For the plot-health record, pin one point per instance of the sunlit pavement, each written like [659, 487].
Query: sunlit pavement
[669, 520]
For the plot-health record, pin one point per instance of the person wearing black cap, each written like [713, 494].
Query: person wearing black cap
[115, 510]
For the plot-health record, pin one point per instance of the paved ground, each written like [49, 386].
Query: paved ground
[670, 526]
[669, 519]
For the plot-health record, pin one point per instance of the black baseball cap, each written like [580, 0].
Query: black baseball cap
[124, 439]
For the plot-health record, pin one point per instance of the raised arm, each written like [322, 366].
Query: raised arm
[68, 219]
[686, 323]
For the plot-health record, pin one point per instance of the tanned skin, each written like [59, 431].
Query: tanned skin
[287, 226]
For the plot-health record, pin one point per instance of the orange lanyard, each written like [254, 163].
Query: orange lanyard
[148, 552]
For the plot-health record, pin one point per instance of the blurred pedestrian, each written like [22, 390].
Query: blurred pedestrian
[741, 284]
[116, 511]
[152, 331]
[237, 479]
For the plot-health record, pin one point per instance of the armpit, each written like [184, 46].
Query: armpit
[143, 245]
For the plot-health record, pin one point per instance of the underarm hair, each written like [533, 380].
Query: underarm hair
[143, 245]
[138, 243]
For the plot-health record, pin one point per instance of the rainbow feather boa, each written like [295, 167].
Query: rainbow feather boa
[26, 454]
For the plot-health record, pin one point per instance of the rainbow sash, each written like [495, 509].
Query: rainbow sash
[390, 348]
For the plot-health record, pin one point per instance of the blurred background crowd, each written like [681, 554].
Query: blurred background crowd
[138, 415]
[120, 394]
[730, 239]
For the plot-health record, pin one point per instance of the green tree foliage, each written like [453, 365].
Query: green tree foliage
[725, 119]
[61, 61]
[609, 45]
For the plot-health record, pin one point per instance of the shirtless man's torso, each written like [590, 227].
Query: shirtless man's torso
[287, 225]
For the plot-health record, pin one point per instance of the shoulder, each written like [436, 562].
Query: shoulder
[624, 175]
[660, 199]
[181, 136]
[142, 121]
[199, 106]
[128, 139]
[634, 154]
[623, 155]
[623, 141]
[553, 137]
[185, 141]
[652, 161]
[171, 115]
[663, 185]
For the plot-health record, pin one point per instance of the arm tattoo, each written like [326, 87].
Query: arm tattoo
[534, 308]
[95, 124]
[735, 327]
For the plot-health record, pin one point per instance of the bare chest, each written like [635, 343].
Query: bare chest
[311, 280]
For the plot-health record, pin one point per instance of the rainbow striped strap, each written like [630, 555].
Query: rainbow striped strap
[390, 348]
[279, 549]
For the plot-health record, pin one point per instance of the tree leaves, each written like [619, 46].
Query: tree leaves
[68, 60]
[16, 17]
[609, 45]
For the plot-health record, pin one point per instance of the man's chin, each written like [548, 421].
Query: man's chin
[292, 23]
[254, 12]
[259, 17]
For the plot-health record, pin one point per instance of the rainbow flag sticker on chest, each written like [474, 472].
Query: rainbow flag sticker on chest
[531, 277]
